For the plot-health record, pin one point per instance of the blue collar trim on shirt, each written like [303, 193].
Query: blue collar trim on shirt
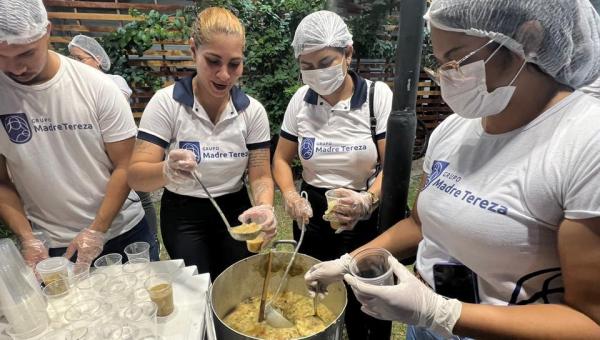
[359, 97]
[183, 93]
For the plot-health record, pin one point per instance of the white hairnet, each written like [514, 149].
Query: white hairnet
[22, 21]
[93, 48]
[319, 30]
[561, 36]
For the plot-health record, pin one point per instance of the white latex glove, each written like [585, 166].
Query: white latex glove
[410, 301]
[178, 166]
[33, 251]
[88, 244]
[351, 207]
[325, 273]
[263, 215]
[297, 207]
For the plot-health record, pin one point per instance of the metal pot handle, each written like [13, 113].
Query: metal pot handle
[278, 242]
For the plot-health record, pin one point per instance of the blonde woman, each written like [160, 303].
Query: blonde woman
[205, 124]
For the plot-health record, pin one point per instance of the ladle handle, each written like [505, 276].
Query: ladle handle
[265, 288]
[212, 200]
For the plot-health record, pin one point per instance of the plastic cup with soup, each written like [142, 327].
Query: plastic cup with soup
[53, 269]
[332, 199]
[160, 290]
[371, 266]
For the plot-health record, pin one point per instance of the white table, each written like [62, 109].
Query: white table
[192, 314]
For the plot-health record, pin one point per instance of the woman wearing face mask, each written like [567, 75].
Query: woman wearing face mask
[507, 223]
[328, 125]
[205, 124]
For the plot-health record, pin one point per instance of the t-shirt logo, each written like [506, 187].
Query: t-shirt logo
[437, 169]
[308, 148]
[193, 147]
[17, 127]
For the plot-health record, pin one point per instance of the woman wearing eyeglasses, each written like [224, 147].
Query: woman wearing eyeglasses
[507, 223]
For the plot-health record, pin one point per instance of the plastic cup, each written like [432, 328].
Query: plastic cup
[109, 263]
[88, 310]
[332, 198]
[143, 316]
[160, 289]
[53, 269]
[371, 266]
[59, 298]
[27, 319]
[116, 329]
[119, 290]
[90, 288]
[138, 250]
[81, 271]
[139, 267]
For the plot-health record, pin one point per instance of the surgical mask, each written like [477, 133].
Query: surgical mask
[324, 81]
[464, 88]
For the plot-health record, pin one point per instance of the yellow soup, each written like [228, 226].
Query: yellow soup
[295, 307]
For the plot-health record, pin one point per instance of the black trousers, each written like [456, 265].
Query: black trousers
[321, 242]
[192, 230]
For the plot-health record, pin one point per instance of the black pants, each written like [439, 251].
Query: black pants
[192, 230]
[321, 242]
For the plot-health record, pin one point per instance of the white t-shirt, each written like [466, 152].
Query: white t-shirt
[53, 137]
[121, 84]
[174, 119]
[592, 89]
[335, 145]
[494, 202]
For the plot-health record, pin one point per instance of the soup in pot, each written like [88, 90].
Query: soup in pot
[295, 307]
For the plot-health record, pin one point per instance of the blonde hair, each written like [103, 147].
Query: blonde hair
[215, 20]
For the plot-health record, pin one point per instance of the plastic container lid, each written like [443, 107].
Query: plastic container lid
[52, 265]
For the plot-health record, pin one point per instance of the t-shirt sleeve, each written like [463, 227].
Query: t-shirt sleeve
[382, 106]
[259, 132]
[289, 127]
[123, 86]
[156, 125]
[114, 114]
[581, 197]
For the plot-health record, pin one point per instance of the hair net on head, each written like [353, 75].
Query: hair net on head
[562, 37]
[93, 48]
[22, 21]
[319, 30]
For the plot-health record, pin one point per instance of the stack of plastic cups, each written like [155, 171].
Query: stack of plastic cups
[21, 298]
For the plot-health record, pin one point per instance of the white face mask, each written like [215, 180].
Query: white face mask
[324, 81]
[465, 89]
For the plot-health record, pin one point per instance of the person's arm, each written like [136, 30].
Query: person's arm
[11, 207]
[402, 239]
[282, 164]
[146, 167]
[375, 188]
[577, 318]
[117, 189]
[259, 176]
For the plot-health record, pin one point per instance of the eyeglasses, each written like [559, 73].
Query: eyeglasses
[455, 64]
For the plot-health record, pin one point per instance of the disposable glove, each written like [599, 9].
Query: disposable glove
[297, 207]
[410, 301]
[88, 244]
[325, 273]
[351, 207]
[33, 251]
[263, 215]
[178, 166]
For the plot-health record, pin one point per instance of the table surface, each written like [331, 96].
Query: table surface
[192, 313]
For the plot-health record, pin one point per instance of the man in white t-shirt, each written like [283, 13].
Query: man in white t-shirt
[65, 142]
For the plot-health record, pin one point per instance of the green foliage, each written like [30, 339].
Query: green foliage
[271, 73]
[137, 37]
[370, 39]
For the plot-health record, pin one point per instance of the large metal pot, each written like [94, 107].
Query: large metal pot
[244, 279]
